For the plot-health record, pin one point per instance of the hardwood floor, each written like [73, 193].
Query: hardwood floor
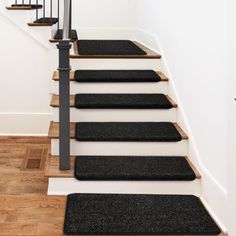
[25, 209]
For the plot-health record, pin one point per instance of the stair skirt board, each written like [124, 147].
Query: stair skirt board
[105, 115]
[115, 64]
[116, 76]
[145, 88]
[108, 47]
[65, 186]
[125, 214]
[124, 148]
[142, 168]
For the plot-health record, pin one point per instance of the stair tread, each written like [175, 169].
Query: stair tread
[135, 131]
[44, 21]
[133, 168]
[59, 35]
[118, 101]
[135, 214]
[24, 7]
[116, 76]
[95, 80]
[52, 166]
[112, 49]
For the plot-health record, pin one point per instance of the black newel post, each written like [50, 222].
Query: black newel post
[64, 101]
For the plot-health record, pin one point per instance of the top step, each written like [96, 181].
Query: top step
[112, 49]
[24, 7]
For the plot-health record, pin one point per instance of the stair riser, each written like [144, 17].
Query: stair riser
[119, 64]
[106, 115]
[65, 186]
[124, 148]
[161, 87]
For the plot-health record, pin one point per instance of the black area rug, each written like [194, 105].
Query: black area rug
[48, 20]
[132, 168]
[59, 35]
[108, 47]
[104, 214]
[127, 131]
[116, 76]
[122, 101]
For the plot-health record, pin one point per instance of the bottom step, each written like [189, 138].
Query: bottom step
[129, 214]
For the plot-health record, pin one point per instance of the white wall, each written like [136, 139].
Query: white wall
[192, 37]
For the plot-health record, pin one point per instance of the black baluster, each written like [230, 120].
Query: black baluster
[58, 15]
[44, 6]
[51, 10]
[30, 2]
[37, 10]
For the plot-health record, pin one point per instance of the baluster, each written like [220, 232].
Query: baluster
[37, 10]
[44, 6]
[58, 14]
[51, 10]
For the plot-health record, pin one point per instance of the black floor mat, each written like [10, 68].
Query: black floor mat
[132, 168]
[59, 35]
[33, 6]
[108, 47]
[123, 214]
[127, 131]
[122, 101]
[47, 20]
[106, 76]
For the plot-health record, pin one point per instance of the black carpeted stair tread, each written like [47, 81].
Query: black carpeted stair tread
[130, 214]
[46, 20]
[127, 131]
[108, 47]
[133, 168]
[122, 101]
[31, 6]
[59, 35]
[105, 76]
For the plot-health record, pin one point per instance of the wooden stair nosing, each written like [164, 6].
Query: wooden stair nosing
[55, 76]
[52, 168]
[150, 54]
[55, 101]
[53, 132]
[19, 8]
[39, 24]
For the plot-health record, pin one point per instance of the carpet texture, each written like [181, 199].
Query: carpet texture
[59, 34]
[132, 168]
[47, 20]
[118, 76]
[108, 47]
[127, 131]
[122, 101]
[111, 214]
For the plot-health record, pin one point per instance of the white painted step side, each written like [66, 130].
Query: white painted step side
[65, 186]
[86, 115]
[124, 148]
[160, 87]
[115, 64]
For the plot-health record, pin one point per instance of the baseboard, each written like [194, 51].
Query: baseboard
[24, 124]
[211, 190]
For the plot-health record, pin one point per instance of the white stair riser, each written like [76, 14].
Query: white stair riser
[80, 115]
[161, 87]
[65, 186]
[115, 64]
[124, 148]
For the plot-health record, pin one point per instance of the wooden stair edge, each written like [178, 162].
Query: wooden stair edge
[53, 132]
[52, 168]
[55, 76]
[19, 8]
[150, 54]
[194, 168]
[39, 24]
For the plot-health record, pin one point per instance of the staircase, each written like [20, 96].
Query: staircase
[129, 171]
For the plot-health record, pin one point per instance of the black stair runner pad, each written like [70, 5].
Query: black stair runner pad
[122, 101]
[120, 76]
[33, 6]
[127, 131]
[59, 34]
[47, 20]
[132, 168]
[124, 214]
[108, 47]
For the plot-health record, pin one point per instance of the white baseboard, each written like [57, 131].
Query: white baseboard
[24, 124]
[211, 190]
